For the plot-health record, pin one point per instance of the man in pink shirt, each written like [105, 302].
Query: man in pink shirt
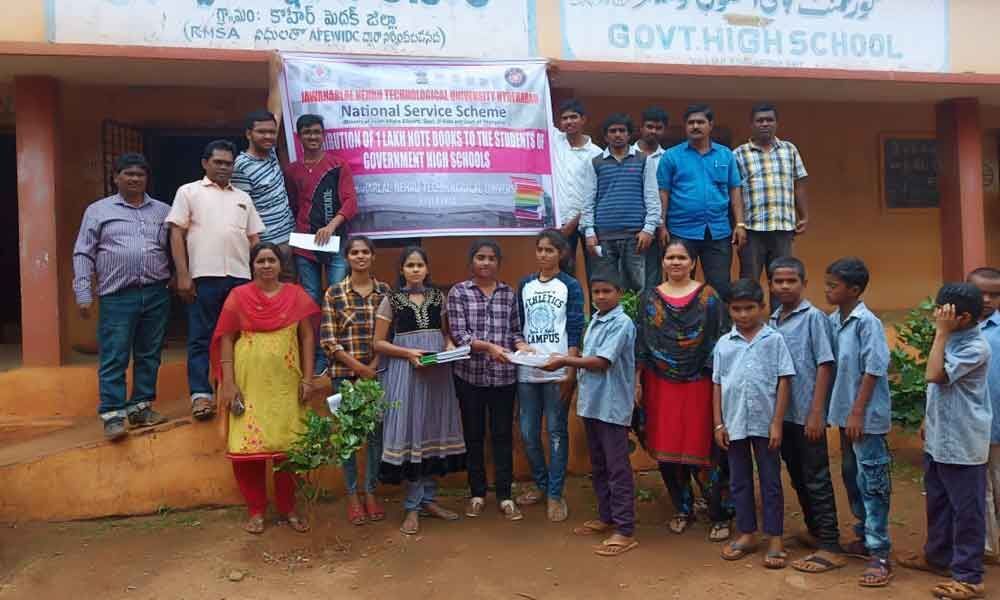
[323, 199]
[212, 227]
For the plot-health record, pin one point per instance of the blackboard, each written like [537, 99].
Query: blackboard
[909, 172]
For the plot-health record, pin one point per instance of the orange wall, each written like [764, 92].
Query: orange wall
[84, 109]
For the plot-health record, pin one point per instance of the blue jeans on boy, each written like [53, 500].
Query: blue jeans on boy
[956, 518]
[203, 314]
[742, 454]
[311, 279]
[131, 323]
[373, 456]
[419, 493]
[536, 399]
[865, 468]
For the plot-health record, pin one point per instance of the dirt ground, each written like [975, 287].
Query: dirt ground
[198, 554]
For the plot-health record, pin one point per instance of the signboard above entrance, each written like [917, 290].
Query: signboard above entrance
[452, 28]
[890, 35]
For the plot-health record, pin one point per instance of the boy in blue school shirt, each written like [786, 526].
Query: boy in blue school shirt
[751, 368]
[860, 406]
[956, 444]
[987, 279]
[605, 398]
[806, 331]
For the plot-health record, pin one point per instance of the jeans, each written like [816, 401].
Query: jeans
[865, 467]
[612, 476]
[808, 466]
[311, 278]
[132, 322]
[712, 481]
[419, 493]
[619, 257]
[742, 455]
[475, 402]
[654, 265]
[534, 399]
[203, 314]
[761, 248]
[956, 518]
[716, 258]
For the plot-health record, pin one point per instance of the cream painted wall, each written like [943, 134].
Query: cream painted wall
[974, 45]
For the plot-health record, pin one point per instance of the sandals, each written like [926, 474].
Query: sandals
[918, 562]
[818, 562]
[436, 511]
[373, 508]
[611, 547]
[297, 523]
[775, 560]
[720, 532]
[203, 409]
[557, 510]
[254, 525]
[878, 573]
[475, 506]
[510, 510]
[592, 527]
[530, 496]
[735, 551]
[411, 524]
[679, 523]
[356, 514]
[959, 590]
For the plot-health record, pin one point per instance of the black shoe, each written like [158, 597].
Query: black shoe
[146, 417]
[114, 429]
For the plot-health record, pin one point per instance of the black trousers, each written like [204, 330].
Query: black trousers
[808, 465]
[476, 402]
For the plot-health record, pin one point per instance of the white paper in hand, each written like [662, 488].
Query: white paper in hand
[529, 359]
[334, 403]
[307, 241]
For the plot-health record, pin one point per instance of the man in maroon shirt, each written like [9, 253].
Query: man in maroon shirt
[323, 199]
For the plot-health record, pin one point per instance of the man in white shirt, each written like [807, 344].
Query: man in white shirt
[654, 125]
[574, 152]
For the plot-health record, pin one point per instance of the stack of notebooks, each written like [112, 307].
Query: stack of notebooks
[527, 198]
[438, 358]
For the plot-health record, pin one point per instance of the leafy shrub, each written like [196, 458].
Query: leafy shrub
[331, 440]
[908, 365]
[630, 304]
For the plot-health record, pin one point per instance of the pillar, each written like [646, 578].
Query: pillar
[960, 182]
[36, 113]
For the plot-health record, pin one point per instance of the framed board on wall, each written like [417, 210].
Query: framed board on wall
[908, 171]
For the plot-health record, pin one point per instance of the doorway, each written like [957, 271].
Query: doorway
[10, 303]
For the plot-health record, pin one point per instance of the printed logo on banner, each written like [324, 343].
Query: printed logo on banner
[515, 76]
[318, 73]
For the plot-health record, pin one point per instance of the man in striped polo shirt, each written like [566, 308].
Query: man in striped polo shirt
[123, 244]
[621, 207]
[258, 173]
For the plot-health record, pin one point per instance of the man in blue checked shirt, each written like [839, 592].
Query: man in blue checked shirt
[123, 240]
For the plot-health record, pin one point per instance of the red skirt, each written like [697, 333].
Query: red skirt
[678, 419]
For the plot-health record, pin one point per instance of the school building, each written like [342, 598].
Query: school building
[894, 107]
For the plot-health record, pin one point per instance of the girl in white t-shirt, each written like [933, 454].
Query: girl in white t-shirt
[551, 305]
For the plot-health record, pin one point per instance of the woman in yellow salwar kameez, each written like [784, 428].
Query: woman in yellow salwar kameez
[263, 344]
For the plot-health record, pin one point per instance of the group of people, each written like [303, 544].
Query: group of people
[709, 378]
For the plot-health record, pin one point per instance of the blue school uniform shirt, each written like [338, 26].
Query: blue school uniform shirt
[959, 413]
[807, 334]
[748, 371]
[609, 395]
[991, 331]
[860, 348]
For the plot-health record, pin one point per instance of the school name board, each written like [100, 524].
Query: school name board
[437, 147]
[899, 35]
[470, 28]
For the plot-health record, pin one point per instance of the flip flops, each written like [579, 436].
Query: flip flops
[775, 560]
[615, 548]
[734, 551]
[817, 563]
[592, 527]
[918, 562]
[959, 590]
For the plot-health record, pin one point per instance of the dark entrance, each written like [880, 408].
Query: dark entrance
[10, 302]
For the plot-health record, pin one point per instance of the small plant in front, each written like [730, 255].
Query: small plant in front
[909, 364]
[630, 304]
[332, 440]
